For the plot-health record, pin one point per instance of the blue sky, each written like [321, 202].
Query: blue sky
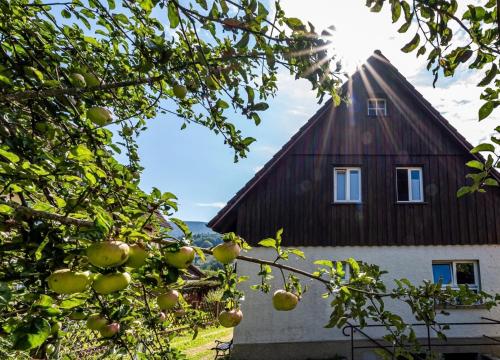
[195, 164]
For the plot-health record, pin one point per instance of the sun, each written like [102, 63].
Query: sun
[350, 48]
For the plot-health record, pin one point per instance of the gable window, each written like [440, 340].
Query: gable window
[409, 184]
[456, 273]
[377, 107]
[347, 185]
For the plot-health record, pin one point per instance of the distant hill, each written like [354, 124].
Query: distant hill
[196, 227]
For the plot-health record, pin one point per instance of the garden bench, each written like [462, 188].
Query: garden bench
[222, 348]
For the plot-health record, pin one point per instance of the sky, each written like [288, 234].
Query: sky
[195, 164]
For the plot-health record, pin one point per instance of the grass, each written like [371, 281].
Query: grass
[199, 348]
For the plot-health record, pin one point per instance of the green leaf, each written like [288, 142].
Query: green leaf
[200, 253]
[72, 302]
[222, 104]
[327, 263]
[65, 14]
[490, 75]
[262, 106]
[412, 45]
[297, 252]
[5, 294]
[475, 165]
[354, 265]
[81, 153]
[10, 156]
[31, 334]
[203, 4]
[294, 23]
[182, 226]
[147, 5]
[243, 41]
[269, 242]
[173, 15]
[483, 147]
[463, 191]
[6, 209]
[490, 182]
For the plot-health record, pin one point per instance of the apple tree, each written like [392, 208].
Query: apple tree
[78, 82]
[80, 241]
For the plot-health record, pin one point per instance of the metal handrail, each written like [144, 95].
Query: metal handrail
[351, 328]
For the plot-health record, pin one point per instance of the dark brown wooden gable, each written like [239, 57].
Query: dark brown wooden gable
[295, 191]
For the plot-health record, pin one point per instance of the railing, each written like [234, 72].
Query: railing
[350, 330]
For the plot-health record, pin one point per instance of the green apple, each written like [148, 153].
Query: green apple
[180, 91]
[230, 318]
[284, 300]
[137, 256]
[77, 80]
[110, 330]
[96, 322]
[226, 252]
[168, 299]
[180, 259]
[99, 115]
[108, 253]
[91, 80]
[110, 283]
[66, 281]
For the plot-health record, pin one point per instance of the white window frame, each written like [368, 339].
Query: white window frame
[377, 108]
[347, 170]
[410, 194]
[454, 285]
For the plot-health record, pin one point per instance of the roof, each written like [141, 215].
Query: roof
[222, 216]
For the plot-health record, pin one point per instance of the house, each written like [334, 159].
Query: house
[374, 179]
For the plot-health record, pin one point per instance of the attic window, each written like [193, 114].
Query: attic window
[377, 107]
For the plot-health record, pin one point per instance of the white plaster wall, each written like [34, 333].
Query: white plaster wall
[262, 324]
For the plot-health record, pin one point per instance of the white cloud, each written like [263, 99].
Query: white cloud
[459, 102]
[218, 205]
[256, 169]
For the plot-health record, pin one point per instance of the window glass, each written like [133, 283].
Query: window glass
[465, 274]
[402, 184]
[415, 185]
[442, 272]
[377, 107]
[341, 182]
[354, 185]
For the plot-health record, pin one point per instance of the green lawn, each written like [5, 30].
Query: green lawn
[199, 348]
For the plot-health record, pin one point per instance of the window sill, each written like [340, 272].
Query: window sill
[346, 203]
[411, 203]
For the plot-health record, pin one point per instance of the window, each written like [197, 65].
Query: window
[409, 184]
[347, 185]
[377, 107]
[455, 273]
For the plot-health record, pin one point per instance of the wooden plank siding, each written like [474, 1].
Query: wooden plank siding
[296, 191]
